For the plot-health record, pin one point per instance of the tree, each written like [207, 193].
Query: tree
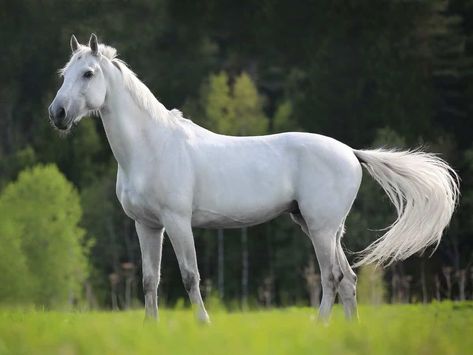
[232, 109]
[15, 277]
[41, 211]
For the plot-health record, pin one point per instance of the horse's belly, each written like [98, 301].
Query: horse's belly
[234, 207]
[213, 218]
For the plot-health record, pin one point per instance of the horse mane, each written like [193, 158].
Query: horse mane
[140, 93]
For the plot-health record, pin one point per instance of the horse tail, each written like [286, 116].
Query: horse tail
[424, 191]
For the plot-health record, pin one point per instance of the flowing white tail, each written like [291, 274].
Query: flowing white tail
[424, 190]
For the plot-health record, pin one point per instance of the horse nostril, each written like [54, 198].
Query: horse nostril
[61, 113]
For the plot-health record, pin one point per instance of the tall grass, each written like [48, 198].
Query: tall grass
[442, 328]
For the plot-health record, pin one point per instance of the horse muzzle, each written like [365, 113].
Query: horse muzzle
[58, 116]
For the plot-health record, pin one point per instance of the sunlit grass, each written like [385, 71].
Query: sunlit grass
[445, 328]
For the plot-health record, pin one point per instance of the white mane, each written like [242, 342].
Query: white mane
[139, 91]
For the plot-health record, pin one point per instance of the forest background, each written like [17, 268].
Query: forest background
[370, 73]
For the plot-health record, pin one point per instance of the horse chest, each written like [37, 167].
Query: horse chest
[135, 200]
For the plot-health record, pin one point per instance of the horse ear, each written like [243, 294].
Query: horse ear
[74, 44]
[93, 44]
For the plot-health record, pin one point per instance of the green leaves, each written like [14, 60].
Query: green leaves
[46, 259]
[233, 109]
[15, 276]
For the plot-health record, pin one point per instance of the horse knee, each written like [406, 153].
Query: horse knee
[351, 279]
[150, 283]
[332, 281]
[337, 276]
[355, 278]
[348, 286]
[190, 279]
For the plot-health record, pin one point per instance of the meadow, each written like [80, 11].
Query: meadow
[438, 328]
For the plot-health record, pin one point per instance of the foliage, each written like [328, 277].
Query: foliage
[15, 277]
[402, 329]
[43, 244]
[371, 288]
[282, 120]
[232, 109]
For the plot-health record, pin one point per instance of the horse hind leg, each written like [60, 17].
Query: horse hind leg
[347, 287]
[324, 242]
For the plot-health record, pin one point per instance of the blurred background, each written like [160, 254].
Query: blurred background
[370, 73]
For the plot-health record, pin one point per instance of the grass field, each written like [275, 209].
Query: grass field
[442, 328]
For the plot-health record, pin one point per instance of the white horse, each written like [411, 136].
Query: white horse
[175, 175]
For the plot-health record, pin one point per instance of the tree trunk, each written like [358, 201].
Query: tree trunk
[395, 285]
[90, 295]
[221, 267]
[471, 276]
[244, 273]
[114, 279]
[447, 274]
[425, 298]
[437, 288]
[313, 284]
[461, 274]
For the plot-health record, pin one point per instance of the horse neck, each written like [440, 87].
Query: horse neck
[132, 132]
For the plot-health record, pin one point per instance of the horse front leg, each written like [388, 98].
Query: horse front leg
[180, 234]
[151, 245]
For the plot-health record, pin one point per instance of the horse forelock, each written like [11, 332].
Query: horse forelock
[107, 51]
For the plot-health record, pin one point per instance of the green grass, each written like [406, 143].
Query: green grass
[442, 328]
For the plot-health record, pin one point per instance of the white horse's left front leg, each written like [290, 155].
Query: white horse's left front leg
[180, 234]
[151, 244]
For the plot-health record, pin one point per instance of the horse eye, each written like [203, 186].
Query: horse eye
[88, 74]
